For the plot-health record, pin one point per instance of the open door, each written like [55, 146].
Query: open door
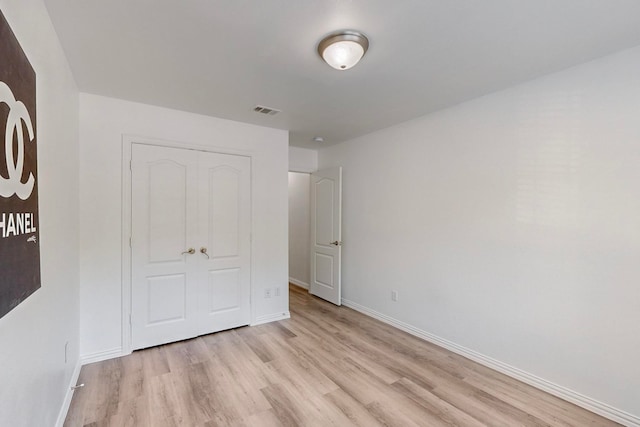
[326, 234]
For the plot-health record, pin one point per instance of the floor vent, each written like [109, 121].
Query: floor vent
[265, 110]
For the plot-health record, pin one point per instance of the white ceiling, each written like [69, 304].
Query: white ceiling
[222, 57]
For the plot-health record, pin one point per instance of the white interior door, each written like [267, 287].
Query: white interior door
[190, 243]
[326, 234]
[163, 223]
[224, 254]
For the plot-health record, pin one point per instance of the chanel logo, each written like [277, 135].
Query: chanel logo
[17, 114]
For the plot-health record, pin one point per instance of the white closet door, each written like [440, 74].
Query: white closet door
[164, 295]
[224, 218]
[191, 244]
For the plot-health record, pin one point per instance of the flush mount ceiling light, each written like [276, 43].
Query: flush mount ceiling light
[343, 50]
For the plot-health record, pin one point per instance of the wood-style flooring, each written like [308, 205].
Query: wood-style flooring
[326, 366]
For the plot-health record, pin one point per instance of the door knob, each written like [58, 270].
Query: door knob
[203, 250]
[336, 243]
[191, 251]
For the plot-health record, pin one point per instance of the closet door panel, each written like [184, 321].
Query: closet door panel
[164, 290]
[225, 220]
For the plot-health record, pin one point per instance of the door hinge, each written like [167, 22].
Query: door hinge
[130, 319]
[130, 167]
[130, 241]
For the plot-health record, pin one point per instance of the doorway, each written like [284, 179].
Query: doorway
[299, 228]
[315, 232]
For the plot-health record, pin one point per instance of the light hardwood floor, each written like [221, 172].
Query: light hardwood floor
[326, 366]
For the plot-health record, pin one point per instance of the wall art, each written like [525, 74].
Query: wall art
[19, 221]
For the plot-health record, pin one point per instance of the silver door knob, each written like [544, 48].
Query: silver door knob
[190, 251]
[336, 243]
[203, 250]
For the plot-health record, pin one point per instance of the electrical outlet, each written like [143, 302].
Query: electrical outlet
[267, 293]
[394, 295]
[276, 292]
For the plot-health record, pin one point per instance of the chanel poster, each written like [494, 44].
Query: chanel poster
[19, 238]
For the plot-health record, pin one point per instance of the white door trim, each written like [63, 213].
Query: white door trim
[127, 143]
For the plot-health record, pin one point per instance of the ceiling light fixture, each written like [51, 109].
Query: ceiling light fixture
[318, 139]
[343, 50]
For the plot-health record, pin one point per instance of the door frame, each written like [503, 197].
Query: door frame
[127, 144]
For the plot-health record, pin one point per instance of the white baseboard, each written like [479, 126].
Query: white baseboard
[299, 283]
[99, 356]
[585, 402]
[270, 318]
[62, 415]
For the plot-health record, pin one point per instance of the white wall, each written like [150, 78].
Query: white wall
[510, 225]
[103, 121]
[299, 258]
[303, 160]
[34, 378]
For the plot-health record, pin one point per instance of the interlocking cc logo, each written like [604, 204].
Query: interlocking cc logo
[17, 114]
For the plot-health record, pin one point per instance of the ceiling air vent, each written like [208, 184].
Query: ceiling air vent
[265, 110]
